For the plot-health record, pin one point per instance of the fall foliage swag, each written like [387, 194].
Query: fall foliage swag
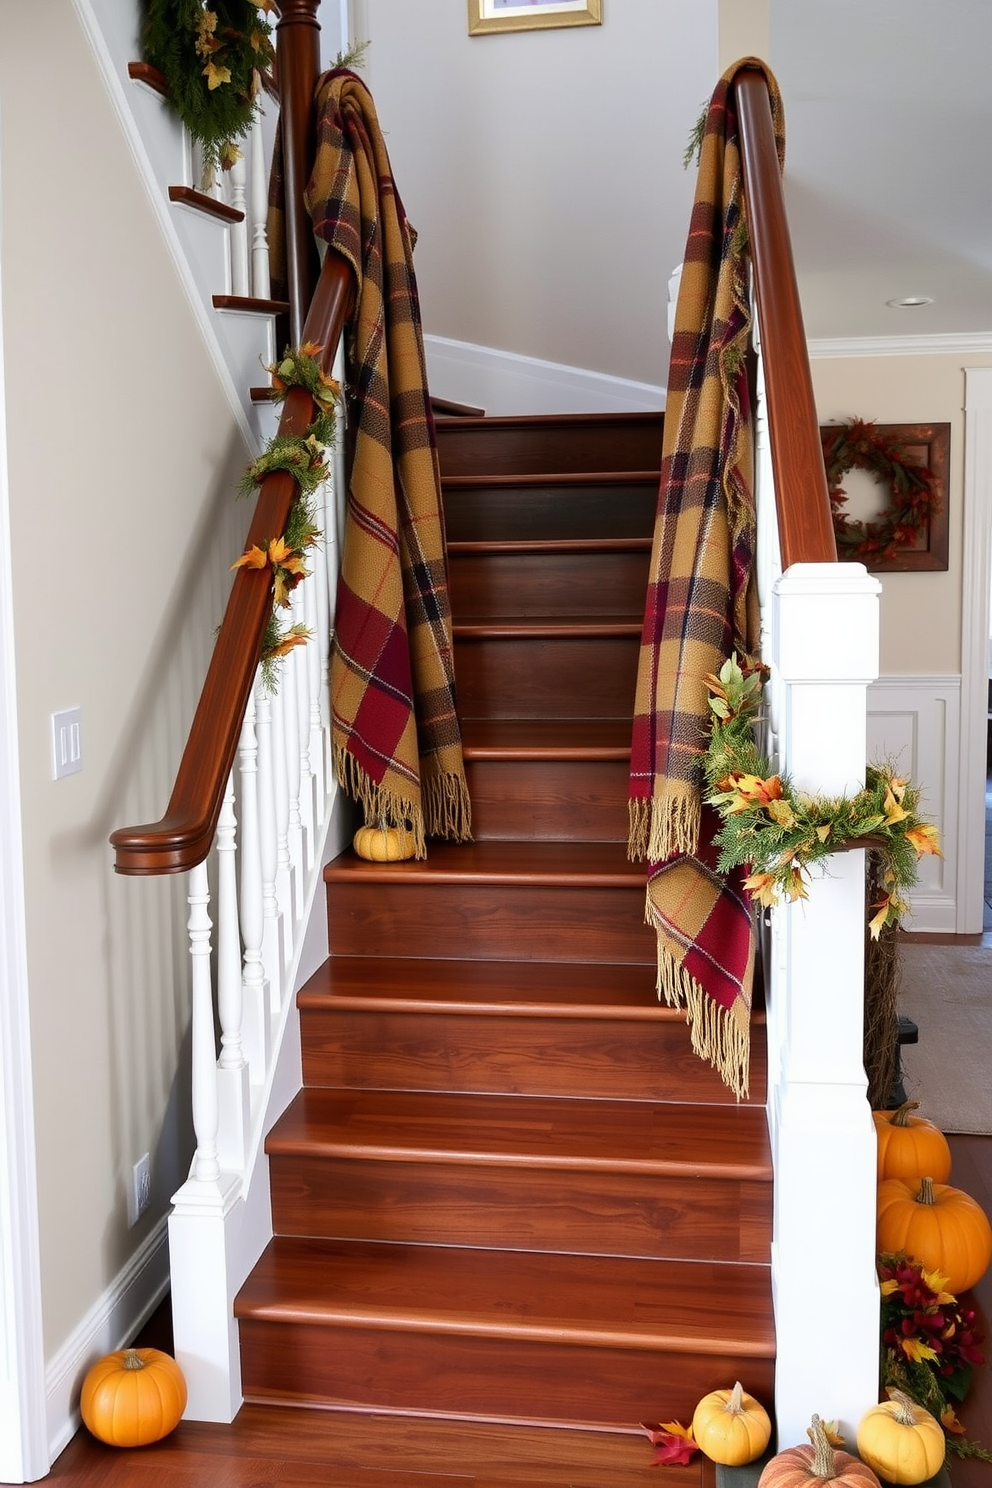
[302, 456]
[778, 832]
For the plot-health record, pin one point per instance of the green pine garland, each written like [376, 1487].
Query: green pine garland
[778, 832]
[211, 60]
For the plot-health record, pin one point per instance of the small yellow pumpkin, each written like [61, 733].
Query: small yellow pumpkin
[384, 844]
[909, 1146]
[903, 1442]
[133, 1397]
[730, 1427]
[941, 1226]
[808, 1467]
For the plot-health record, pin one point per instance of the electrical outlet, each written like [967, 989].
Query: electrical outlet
[141, 1189]
[67, 743]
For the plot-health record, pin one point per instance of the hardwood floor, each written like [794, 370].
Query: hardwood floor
[276, 1447]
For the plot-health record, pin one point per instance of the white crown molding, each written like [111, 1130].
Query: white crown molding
[505, 383]
[963, 343]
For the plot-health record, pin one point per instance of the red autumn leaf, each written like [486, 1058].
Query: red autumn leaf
[673, 1447]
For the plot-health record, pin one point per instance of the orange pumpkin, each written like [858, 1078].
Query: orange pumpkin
[807, 1467]
[909, 1146]
[133, 1397]
[384, 844]
[939, 1225]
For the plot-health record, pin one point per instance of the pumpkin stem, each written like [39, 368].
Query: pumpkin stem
[735, 1403]
[133, 1360]
[823, 1464]
[907, 1413]
[926, 1194]
[901, 1117]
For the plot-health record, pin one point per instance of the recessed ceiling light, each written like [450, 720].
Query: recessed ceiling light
[910, 302]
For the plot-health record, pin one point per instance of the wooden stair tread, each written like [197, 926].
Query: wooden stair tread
[562, 627]
[575, 864]
[589, 1135]
[250, 305]
[682, 1307]
[209, 205]
[546, 738]
[566, 479]
[484, 547]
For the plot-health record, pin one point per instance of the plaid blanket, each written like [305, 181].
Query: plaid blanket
[701, 605]
[395, 732]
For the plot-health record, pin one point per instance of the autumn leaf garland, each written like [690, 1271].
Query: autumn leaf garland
[301, 456]
[778, 832]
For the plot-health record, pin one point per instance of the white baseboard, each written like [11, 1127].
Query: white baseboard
[503, 383]
[110, 1324]
[916, 722]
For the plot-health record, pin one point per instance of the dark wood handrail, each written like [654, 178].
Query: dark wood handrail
[805, 524]
[183, 836]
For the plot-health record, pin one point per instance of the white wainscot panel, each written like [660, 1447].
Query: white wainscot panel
[916, 723]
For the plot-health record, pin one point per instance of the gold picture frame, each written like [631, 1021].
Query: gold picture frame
[531, 15]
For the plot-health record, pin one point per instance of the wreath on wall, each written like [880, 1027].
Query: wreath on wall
[914, 496]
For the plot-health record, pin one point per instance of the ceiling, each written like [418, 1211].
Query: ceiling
[888, 162]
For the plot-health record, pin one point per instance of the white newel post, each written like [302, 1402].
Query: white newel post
[824, 652]
[206, 1334]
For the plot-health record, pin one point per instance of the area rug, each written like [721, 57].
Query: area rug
[947, 992]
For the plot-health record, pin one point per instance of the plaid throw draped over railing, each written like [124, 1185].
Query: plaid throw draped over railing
[701, 606]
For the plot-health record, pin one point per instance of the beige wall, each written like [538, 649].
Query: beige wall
[545, 168]
[123, 451]
[920, 612]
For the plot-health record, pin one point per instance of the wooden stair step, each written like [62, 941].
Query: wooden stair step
[188, 196]
[552, 443]
[544, 579]
[547, 738]
[504, 1027]
[621, 1178]
[531, 508]
[547, 671]
[500, 1334]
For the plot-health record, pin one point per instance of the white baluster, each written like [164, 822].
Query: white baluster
[206, 1165]
[259, 213]
[240, 281]
[306, 791]
[315, 657]
[233, 1092]
[273, 947]
[252, 909]
[289, 717]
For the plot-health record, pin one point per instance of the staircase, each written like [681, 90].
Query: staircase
[508, 1190]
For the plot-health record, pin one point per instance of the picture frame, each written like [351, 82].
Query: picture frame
[485, 16]
[927, 445]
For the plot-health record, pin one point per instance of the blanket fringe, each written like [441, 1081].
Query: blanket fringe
[377, 803]
[447, 807]
[660, 829]
[721, 1036]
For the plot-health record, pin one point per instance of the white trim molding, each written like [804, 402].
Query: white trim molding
[962, 343]
[975, 584]
[915, 721]
[111, 1322]
[504, 383]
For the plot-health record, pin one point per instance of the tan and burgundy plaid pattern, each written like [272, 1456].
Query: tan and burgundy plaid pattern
[396, 737]
[701, 605]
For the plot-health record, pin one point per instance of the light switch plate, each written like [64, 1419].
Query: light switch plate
[67, 743]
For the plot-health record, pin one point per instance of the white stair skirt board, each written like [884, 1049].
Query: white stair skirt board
[505, 384]
[111, 1322]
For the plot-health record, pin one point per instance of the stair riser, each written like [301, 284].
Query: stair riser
[534, 677]
[501, 1378]
[547, 585]
[574, 800]
[505, 447]
[505, 1055]
[521, 1208]
[530, 511]
[482, 921]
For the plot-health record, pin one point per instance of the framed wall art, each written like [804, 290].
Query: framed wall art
[908, 530]
[531, 15]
